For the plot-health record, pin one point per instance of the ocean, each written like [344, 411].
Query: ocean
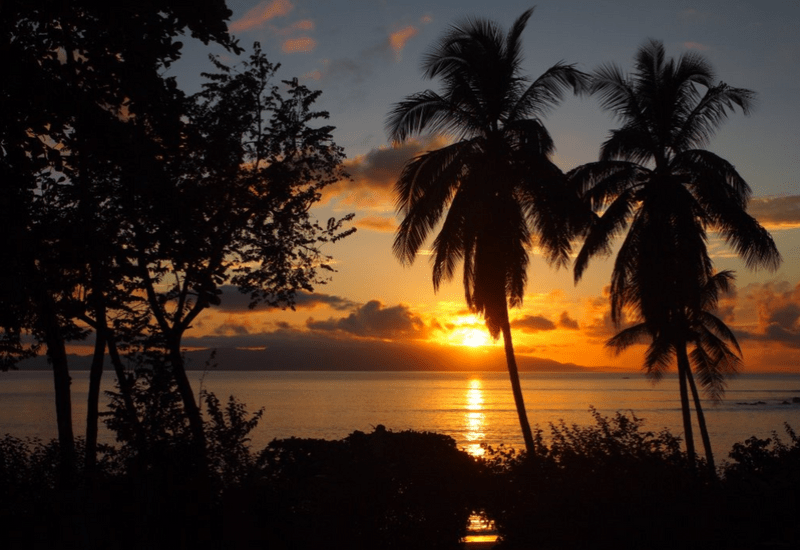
[473, 407]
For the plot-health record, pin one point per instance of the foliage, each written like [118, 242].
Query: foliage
[610, 485]
[228, 429]
[378, 490]
[764, 476]
[657, 185]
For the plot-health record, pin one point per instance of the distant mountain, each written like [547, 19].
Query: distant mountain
[328, 354]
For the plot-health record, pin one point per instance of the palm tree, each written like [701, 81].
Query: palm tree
[654, 175]
[712, 356]
[495, 185]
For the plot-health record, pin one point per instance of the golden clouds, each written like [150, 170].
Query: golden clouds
[303, 44]
[776, 212]
[399, 38]
[259, 15]
[376, 223]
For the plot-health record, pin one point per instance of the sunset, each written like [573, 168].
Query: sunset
[373, 297]
[299, 275]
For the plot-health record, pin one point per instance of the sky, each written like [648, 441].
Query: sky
[365, 56]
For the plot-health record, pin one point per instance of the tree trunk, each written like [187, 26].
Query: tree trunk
[189, 403]
[92, 403]
[516, 388]
[683, 367]
[701, 422]
[57, 355]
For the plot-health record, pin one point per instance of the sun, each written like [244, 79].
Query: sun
[472, 337]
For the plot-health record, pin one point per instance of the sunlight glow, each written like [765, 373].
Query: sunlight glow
[474, 419]
[468, 331]
[472, 337]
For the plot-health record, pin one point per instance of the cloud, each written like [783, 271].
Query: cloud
[231, 329]
[303, 25]
[399, 38]
[376, 223]
[778, 309]
[302, 44]
[533, 323]
[565, 321]
[695, 46]
[353, 71]
[234, 301]
[259, 15]
[376, 321]
[776, 212]
[375, 173]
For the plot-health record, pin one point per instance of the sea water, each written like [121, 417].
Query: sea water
[475, 408]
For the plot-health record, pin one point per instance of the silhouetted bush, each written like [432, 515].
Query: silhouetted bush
[610, 485]
[762, 486]
[379, 490]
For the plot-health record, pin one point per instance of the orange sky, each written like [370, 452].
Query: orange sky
[365, 57]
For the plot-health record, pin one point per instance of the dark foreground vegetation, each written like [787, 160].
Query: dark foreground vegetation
[609, 485]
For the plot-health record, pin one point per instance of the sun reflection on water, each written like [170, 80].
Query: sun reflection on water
[474, 419]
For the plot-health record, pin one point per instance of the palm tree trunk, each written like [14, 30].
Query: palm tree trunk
[683, 367]
[701, 421]
[516, 388]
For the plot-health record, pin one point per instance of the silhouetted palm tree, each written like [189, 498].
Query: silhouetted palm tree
[495, 185]
[712, 356]
[654, 175]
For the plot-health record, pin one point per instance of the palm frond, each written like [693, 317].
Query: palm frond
[513, 52]
[636, 334]
[616, 92]
[547, 91]
[714, 181]
[719, 283]
[659, 357]
[427, 112]
[602, 233]
[425, 188]
[713, 361]
[631, 143]
[599, 183]
[751, 241]
[708, 114]
[716, 326]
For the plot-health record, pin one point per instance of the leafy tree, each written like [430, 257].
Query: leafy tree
[86, 77]
[495, 185]
[655, 180]
[235, 208]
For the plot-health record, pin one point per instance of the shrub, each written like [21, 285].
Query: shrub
[610, 485]
[378, 490]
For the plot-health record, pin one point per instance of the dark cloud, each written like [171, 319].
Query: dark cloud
[778, 307]
[776, 212]
[565, 321]
[234, 301]
[229, 329]
[533, 323]
[374, 174]
[375, 320]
